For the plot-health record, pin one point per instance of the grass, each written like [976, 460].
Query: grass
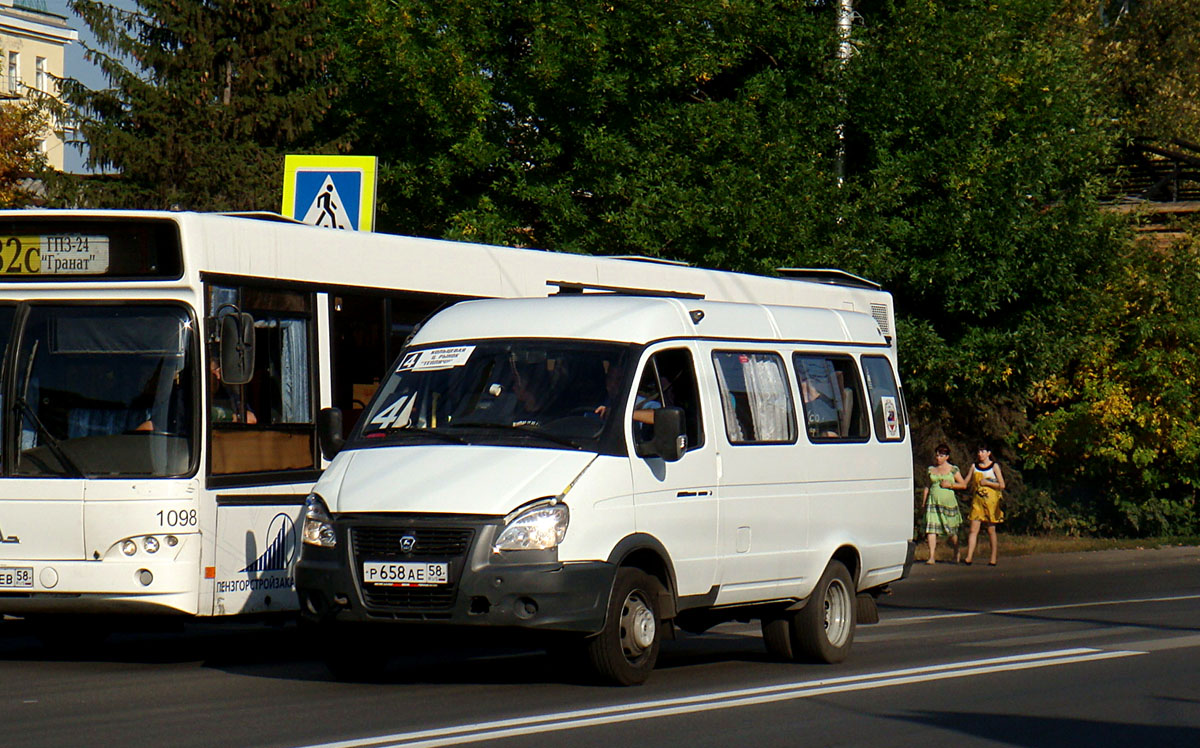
[1024, 545]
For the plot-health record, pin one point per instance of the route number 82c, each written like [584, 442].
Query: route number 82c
[177, 518]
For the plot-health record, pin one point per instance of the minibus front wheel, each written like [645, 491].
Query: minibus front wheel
[626, 649]
[821, 631]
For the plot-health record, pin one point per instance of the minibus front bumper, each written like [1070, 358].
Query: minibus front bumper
[528, 589]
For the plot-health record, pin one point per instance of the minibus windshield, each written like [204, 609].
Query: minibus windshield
[560, 393]
[102, 391]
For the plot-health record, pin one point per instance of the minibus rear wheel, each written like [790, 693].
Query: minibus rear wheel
[821, 631]
[625, 650]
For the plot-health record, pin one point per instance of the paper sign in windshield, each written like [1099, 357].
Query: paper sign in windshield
[436, 358]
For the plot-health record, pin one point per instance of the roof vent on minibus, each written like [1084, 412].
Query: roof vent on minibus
[696, 315]
[831, 276]
[880, 313]
[567, 288]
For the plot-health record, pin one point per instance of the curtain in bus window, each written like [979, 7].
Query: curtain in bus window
[294, 365]
[754, 397]
[766, 389]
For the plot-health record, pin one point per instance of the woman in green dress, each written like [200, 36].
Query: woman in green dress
[940, 504]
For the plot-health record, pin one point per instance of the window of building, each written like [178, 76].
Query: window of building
[14, 72]
[755, 397]
[833, 403]
[40, 79]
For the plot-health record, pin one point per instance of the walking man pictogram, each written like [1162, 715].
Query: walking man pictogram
[327, 205]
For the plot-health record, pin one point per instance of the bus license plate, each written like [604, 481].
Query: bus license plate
[20, 576]
[406, 573]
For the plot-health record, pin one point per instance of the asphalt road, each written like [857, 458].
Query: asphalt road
[1092, 649]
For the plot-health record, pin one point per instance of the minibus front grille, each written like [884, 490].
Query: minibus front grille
[378, 543]
[411, 598]
[423, 543]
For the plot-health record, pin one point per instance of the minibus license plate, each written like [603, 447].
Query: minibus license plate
[406, 573]
[20, 576]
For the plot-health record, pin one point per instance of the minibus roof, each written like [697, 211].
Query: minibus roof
[640, 320]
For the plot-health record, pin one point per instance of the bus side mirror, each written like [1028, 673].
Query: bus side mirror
[237, 348]
[670, 436]
[329, 432]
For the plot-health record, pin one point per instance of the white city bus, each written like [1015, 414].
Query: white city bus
[163, 374]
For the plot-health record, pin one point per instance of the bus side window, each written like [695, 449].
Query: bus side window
[266, 425]
[669, 380]
[887, 405]
[832, 397]
[755, 397]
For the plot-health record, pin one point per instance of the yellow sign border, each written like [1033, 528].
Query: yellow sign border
[368, 165]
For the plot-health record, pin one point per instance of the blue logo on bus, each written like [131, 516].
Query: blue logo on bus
[281, 548]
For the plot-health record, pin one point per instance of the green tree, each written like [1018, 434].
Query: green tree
[206, 98]
[21, 159]
[21, 155]
[1148, 52]
[1119, 430]
[701, 133]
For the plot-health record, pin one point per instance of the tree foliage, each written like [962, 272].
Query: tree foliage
[712, 131]
[21, 158]
[206, 97]
[972, 196]
[632, 127]
[1120, 428]
[1148, 53]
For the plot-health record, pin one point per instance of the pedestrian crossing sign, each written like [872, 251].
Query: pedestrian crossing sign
[336, 192]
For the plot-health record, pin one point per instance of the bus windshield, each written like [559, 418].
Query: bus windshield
[499, 392]
[103, 391]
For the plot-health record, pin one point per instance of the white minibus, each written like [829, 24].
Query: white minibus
[602, 468]
[163, 373]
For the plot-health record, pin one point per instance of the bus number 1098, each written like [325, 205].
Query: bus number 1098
[177, 518]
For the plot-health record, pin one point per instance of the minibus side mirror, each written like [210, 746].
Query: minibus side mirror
[670, 436]
[237, 348]
[329, 432]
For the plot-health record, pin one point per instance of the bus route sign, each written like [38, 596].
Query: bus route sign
[336, 192]
[53, 254]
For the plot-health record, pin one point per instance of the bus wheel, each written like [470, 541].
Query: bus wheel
[821, 631]
[625, 650]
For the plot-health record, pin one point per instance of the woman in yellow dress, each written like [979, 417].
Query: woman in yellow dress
[985, 482]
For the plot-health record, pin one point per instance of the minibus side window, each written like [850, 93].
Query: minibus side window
[755, 397]
[668, 380]
[832, 396]
[887, 406]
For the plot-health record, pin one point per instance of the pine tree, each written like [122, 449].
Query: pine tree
[206, 98]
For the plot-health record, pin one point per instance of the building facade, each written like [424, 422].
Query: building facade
[32, 44]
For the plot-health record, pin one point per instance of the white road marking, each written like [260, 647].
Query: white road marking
[1037, 609]
[534, 724]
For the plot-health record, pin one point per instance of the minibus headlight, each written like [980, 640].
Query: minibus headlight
[318, 525]
[538, 528]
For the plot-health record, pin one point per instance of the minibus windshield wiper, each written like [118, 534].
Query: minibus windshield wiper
[524, 429]
[52, 443]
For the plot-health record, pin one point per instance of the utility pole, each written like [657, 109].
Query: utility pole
[845, 21]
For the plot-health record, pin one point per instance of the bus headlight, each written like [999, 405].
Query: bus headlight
[318, 525]
[539, 528]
